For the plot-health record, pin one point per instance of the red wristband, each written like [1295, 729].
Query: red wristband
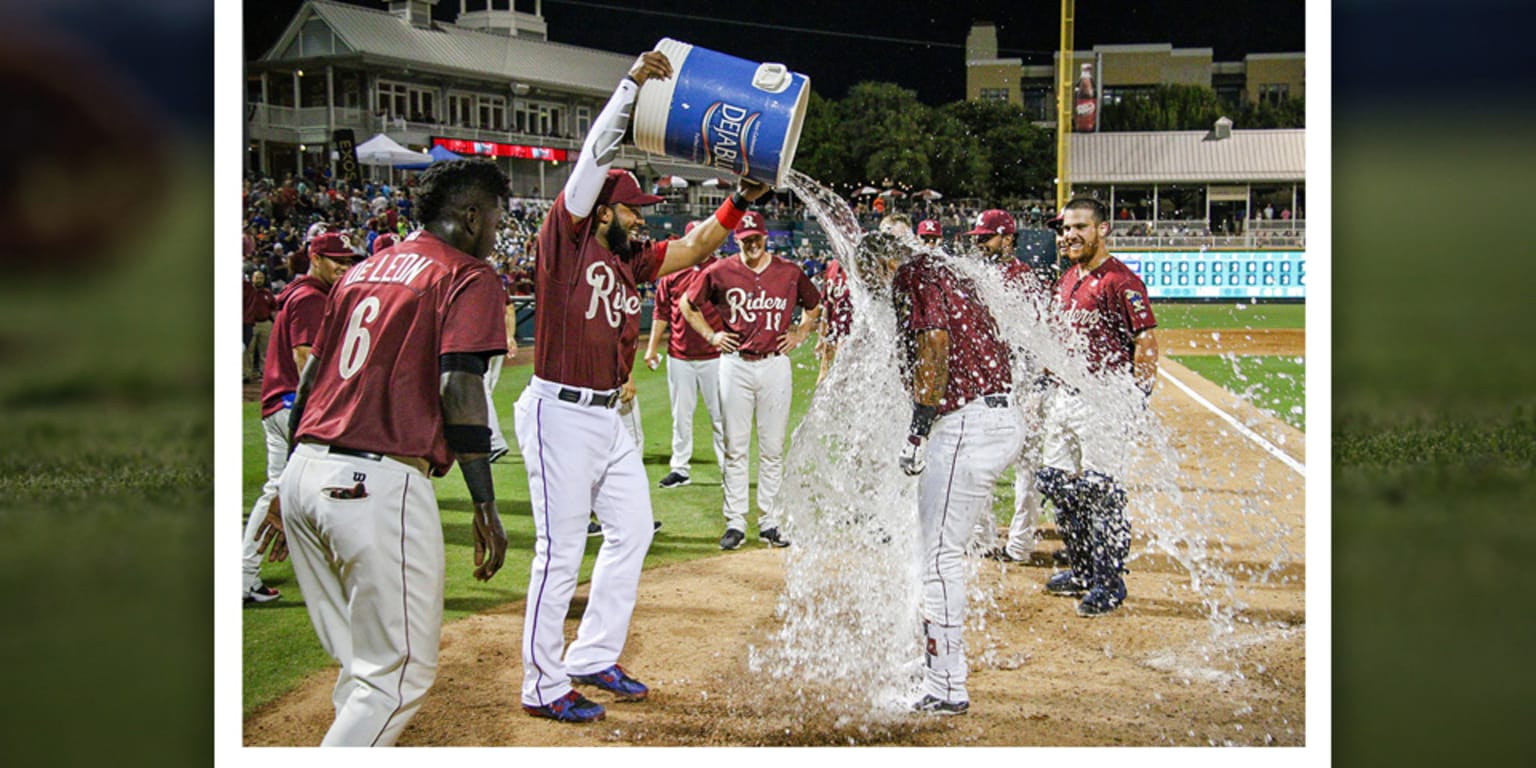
[729, 215]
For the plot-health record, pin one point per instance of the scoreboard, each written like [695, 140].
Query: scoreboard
[1220, 274]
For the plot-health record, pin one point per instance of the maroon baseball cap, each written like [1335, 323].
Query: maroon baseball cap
[751, 224]
[332, 246]
[994, 222]
[1055, 222]
[383, 241]
[929, 227]
[622, 187]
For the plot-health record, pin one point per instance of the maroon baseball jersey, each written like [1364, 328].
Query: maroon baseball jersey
[758, 307]
[839, 303]
[388, 320]
[584, 297]
[301, 310]
[930, 296]
[685, 343]
[1018, 272]
[1109, 306]
[263, 304]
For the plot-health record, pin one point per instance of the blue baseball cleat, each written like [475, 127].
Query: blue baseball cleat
[615, 681]
[570, 708]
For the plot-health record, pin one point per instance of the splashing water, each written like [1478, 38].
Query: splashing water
[850, 638]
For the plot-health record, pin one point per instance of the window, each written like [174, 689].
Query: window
[493, 112]
[538, 118]
[1274, 93]
[1038, 104]
[583, 120]
[994, 94]
[461, 109]
[393, 98]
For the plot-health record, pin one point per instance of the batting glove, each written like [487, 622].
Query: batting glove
[914, 456]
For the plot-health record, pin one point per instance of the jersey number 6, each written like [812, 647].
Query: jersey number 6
[354, 347]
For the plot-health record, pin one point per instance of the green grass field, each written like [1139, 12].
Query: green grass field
[1202, 315]
[1274, 383]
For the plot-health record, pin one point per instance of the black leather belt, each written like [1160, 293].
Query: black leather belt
[757, 355]
[600, 401]
[995, 401]
[369, 455]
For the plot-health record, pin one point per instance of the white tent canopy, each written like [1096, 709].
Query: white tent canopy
[382, 150]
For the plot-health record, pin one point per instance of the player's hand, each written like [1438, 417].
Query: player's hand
[725, 341]
[652, 360]
[792, 339]
[651, 64]
[627, 392]
[752, 189]
[270, 537]
[914, 456]
[490, 541]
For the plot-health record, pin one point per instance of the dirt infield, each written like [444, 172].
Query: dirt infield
[1242, 341]
[1150, 674]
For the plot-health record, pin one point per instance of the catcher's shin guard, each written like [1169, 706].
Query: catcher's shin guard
[1071, 518]
[1108, 529]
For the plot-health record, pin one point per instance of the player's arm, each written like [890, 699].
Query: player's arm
[511, 316]
[930, 376]
[300, 356]
[708, 236]
[607, 132]
[725, 341]
[659, 331]
[307, 374]
[466, 427]
[802, 331]
[1144, 362]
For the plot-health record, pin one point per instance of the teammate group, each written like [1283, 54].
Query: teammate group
[375, 382]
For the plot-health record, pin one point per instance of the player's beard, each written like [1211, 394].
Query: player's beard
[621, 244]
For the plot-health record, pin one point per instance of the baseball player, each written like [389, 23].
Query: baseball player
[930, 233]
[391, 395]
[693, 369]
[964, 433]
[295, 329]
[1107, 303]
[579, 458]
[995, 235]
[836, 320]
[756, 295]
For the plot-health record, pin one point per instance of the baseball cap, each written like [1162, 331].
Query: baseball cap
[1055, 222]
[929, 227]
[994, 222]
[332, 246]
[315, 229]
[622, 187]
[383, 241]
[751, 224]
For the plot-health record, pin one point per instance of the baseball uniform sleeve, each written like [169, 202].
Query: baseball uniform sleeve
[560, 242]
[704, 287]
[473, 315]
[928, 307]
[649, 262]
[306, 314]
[808, 295]
[663, 311]
[1130, 301]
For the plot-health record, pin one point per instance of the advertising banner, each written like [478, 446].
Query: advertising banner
[344, 143]
[1085, 115]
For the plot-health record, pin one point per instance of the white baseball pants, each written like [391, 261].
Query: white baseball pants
[629, 416]
[1075, 441]
[580, 461]
[967, 450]
[760, 390]
[687, 381]
[371, 569]
[1027, 502]
[493, 375]
[275, 428]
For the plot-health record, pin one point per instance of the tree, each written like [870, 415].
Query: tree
[1020, 158]
[1194, 108]
[884, 126]
[823, 152]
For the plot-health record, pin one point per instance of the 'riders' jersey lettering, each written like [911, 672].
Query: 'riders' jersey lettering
[585, 301]
[757, 307]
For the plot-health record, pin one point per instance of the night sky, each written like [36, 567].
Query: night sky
[924, 51]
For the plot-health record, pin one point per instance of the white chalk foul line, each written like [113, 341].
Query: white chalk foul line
[1270, 448]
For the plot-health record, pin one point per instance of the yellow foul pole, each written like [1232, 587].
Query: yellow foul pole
[1064, 106]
